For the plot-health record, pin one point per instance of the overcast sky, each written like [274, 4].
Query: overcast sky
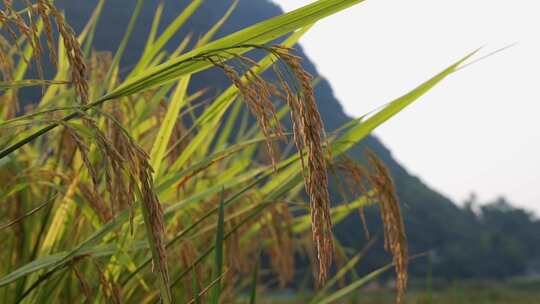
[477, 131]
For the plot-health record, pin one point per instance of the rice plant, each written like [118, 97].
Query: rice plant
[119, 187]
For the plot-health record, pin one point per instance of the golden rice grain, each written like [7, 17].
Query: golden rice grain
[395, 239]
[308, 131]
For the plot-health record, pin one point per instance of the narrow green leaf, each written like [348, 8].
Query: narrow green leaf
[153, 48]
[29, 83]
[218, 250]
[210, 34]
[254, 276]
[340, 274]
[228, 127]
[338, 213]
[90, 29]
[339, 294]
[154, 28]
[123, 44]
[363, 128]
[207, 288]
[261, 33]
[163, 137]
[195, 288]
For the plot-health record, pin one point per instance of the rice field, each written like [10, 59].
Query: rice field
[129, 188]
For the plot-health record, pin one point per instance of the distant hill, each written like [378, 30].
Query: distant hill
[433, 221]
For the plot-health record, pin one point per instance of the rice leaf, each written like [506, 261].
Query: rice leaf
[178, 100]
[363, 128]
[113, 69]
[210, 119]
[341, 293]
[154, 47]
[195, 288]
[340, 274]
[236, 43]
[29, 83]
[210, 34]
[253, 290]
[218, 250]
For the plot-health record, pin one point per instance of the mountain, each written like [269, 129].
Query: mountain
[433, 221]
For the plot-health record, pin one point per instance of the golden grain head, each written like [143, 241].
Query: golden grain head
[43, 12]
[308, 133]
[138, 166]
[125, 165]
[155, 214]
[7, 63]
[84, 150]
[257, 93]
[308, 130]
[12, 22]
[96, 202]
[35, 41]
[395, 239]
[357, 180]
[73, 52]
[381, 186]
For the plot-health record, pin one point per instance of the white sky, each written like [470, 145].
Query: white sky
[477, 131]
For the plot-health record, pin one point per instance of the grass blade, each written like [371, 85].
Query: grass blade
[210, 34]
[363, 128]
[342, 272]
[195, 288]
[29, 83]
[339, 294]
[123, 44]
[205, 290]
[178, 100]
[218, 251]
[261, 33]
[254, 276]
[154, 47]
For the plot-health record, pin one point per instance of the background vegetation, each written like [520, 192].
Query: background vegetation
[170, 182]
[458, 235]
